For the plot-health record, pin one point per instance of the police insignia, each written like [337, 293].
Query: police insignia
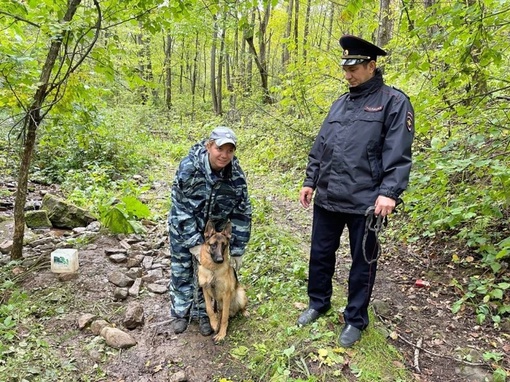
[409, 121]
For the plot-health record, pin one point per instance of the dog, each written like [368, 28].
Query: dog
[224, 295]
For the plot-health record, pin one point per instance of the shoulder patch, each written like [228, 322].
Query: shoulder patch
[409, 121]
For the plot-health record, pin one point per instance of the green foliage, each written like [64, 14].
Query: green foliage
[488, 296]
[122, 217]
[86, 141]
[451, 66]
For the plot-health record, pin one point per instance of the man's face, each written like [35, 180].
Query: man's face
[359, 74]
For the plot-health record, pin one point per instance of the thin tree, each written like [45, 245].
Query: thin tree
[214, 93]
[286, 36]
[307, 28]
[168, 71]
[40, 107]
[260, 58]
[385, 23]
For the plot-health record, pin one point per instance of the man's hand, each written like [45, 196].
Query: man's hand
[384, 206]
[305, 196]
[236, 262]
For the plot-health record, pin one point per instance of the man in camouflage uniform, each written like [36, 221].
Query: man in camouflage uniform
[209, 185]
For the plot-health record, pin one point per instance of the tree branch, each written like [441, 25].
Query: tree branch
[20, 19]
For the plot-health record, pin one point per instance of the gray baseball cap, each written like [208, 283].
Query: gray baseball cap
[222, 135]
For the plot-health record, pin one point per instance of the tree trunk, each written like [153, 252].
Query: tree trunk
[149, 74]
[286, 36]
[262, 70]
[330, 27]
[213, 68]
[168, 72]
[221, 63]
[261, 58]
[307, 28]
[144, 96]
[194, 76]
[33, 119]
[296, 28]
[385, 23]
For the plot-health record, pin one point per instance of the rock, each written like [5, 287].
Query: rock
[32, 205]
[120, 279]
[6, 246]
[116, 338]
[65, 215]
[382, 307]
[79, 230]
[147, 262]
[134, 273]
[124, 244]
[134, 291]
[112, 251]
[118, 258]
[97, 326]
[84, 320]
[68, 276]
[153, 275]
[135, 261]
[156, 288]
[120, 294]
[37, 219]
[472, 373]
[44, 241]
[95, 226]
[134, 316]
[180, 376]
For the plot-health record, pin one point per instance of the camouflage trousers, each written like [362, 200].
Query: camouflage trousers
[186, 297]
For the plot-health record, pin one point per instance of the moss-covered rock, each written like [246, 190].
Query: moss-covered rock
[37, 219]
[65, 215]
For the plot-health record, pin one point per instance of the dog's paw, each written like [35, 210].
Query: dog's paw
[214, 325]
[245, 313]
[219, 337]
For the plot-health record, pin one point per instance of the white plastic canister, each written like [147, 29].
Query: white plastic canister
[64, 260]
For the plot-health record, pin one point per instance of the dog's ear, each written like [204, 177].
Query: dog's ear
[195, 251]
[227, 231]
[210, 229]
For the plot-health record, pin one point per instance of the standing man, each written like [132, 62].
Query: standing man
[360, 159]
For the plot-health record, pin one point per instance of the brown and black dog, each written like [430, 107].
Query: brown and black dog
[224, 295]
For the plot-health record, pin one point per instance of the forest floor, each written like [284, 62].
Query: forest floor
[437, 345]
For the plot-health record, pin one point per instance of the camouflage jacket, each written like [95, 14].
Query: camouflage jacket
[199, 194]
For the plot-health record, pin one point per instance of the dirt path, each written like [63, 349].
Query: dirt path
[451, 346]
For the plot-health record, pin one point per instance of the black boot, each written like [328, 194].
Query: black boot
[204, 326]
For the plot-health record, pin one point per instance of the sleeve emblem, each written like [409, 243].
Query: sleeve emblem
[409, 121]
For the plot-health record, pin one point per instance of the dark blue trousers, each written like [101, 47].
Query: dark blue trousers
[326, 231]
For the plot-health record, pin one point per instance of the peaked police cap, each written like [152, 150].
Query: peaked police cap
[357, 50]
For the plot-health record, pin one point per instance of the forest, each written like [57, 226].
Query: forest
[97, 93]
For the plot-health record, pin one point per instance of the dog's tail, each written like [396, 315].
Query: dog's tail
[239, 302]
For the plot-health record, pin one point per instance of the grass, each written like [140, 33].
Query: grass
[270, 347]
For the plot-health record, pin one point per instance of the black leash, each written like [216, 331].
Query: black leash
[375, 224]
